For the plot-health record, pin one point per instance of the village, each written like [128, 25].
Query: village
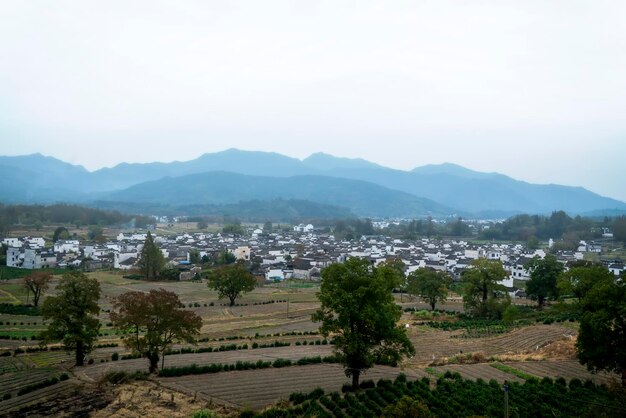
[299, 254]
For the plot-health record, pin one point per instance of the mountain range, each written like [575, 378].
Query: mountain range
[223, 179]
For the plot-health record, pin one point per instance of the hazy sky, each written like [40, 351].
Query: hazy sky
[532, 89]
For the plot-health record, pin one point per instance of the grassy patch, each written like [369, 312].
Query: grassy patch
[434, 372]
[511, 370]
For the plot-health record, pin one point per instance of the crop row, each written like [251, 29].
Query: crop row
[243, 365]
[36, 386]
[454, 397]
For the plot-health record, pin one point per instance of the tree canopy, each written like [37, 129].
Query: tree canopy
[483, 296]
[151, 260]
[73, 314]
[544, 274]
[231, 281]
[358, 310]
[37, 283]
[152, 322]
[430, 285]
[601, 343]
[580, 279]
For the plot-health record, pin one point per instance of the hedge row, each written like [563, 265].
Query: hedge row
[453, 397]
[242, 365]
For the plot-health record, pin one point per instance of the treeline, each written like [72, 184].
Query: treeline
[559, 225]
[276, 210]
[526, 228]
[39, 215]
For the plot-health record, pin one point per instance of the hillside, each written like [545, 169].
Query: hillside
[363, 198]
[436, 189]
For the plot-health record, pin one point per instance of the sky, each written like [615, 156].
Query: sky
[532, 89]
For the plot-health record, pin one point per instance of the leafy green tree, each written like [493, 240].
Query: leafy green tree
[267, 227]
[579, 280]
[542, 284]
[73, 314]
[61, 233]
[3, 254]
[430, 285]
[407, 407]
[225, 258]
[194, 256]
[619, 229]
[151, 260]
[233, 229]
[483, 296]
[37, 283]
[202, 225]
[601, 343]
[231, 281]
[533, 243]
[152, 322]
[358, 310]
[96, 233]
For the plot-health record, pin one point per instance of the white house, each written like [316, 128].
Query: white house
[12, 242]
[275, 275]
[35, 242]
[69, 246]
[38, 259]
[15, 257]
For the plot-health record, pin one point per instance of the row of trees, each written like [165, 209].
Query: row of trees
[65, 214]
[150, 321]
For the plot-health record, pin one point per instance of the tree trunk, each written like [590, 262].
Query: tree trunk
[80, 354]
[624, 378]
[432, 305]
[541, 301]
[232, 301]
[153, 358]
[355, 379]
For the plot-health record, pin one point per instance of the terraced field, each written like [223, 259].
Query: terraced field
[431, 344]
[252, 388]
[568, 369]
[479, 371]
[94, 372]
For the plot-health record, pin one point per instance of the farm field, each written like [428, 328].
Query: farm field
[568, 369]
[94, 372]
[262, 316]
[250, 388]
[431, 344]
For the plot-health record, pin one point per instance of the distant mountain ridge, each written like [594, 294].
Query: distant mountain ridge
[444, 189]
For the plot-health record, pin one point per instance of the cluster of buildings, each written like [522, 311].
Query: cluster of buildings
[298, 254]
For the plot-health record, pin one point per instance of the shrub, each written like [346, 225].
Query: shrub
[115, 356]
[63, 377]
[367, 384]
[204, 413]
[6, 396]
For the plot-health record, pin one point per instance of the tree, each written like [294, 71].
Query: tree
[202, 225]
[152, 322]
[267, 227]
[225, 258]
[483, 295]
[37, 283]
[60, 233]
[407, 407]
[73, 312]
[194, 256]
[578, 281]
[151, 260]
[358, 310]
[430, 285]
[601, 343]
[231, 281]
[542, 284]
